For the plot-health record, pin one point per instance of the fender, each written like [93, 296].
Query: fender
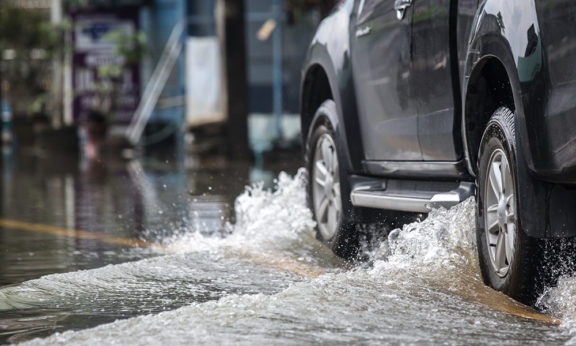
[330, 51]
[496, 25]
[515, 41]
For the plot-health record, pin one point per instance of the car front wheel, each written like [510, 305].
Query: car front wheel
[328, 187]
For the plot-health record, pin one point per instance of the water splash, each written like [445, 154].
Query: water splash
[423, 286]
[274, 231]
[272, 225]
[266, 218]
[413, 293]
[561, 301]
[445, 237]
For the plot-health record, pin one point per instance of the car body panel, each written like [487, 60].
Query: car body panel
[330, 50]
[536, 42]
[401, 88]
[557, 160]
[501, 31]
[382, 65]
[433, 88]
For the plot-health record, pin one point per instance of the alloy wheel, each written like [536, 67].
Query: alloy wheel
[500, 213]
[326, 187]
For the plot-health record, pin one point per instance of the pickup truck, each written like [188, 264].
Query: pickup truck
[408, 105]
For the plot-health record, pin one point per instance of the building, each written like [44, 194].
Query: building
[178, 82]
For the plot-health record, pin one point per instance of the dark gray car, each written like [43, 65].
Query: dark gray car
[408, 105]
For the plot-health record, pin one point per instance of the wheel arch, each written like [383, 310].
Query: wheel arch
[489, 88]
[499, 35]
[493, 83]
[315, 90]
[327, 74]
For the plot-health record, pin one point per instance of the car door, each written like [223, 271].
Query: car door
[382, 76]
[432, 86]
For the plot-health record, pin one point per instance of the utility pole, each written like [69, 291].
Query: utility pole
[57, 101]
[1, 59]
[232, 30]
[1, 80]
[277, 68]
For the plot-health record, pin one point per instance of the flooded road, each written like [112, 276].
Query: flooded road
[162, 253]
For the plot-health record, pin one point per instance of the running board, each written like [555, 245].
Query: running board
[419, 204]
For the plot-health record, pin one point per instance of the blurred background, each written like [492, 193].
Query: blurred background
[125, 122]
[125, 77]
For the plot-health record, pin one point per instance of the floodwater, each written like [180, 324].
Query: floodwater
[158, 252]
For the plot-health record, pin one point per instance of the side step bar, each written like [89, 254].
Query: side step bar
[420, 204]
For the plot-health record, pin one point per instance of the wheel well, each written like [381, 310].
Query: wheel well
[315, 91]
[488, 89]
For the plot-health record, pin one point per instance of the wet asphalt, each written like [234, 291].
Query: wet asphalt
[61, 213]
[171, 249]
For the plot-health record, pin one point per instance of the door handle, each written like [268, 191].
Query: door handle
[401, 6]
[363, 31]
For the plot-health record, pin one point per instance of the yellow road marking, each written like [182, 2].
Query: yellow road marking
[476, 292]
[287, 265]
[72, 233]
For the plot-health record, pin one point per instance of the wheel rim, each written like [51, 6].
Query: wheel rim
[500, 213]
[326, 187]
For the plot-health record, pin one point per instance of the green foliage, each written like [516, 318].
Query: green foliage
[128, 46]
[23, 29]
[131, 48]
[28, 42]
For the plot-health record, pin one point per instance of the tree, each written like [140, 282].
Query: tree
[28, 42]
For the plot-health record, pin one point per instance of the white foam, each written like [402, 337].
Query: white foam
[407, 296]
[444, 239]
[561, 302]
[271, 225]
[269, 219]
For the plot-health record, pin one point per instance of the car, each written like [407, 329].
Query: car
[409, 105]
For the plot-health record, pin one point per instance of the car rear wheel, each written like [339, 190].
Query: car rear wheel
[510, 260]
[500, 213]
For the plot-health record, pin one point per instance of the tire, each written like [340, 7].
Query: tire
[510, 260]
[328, 187]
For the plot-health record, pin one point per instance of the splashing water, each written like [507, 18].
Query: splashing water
[444, 238]
[274, 228]
[271, 226]
[423, 286]
[561, 301]
[268, 219]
